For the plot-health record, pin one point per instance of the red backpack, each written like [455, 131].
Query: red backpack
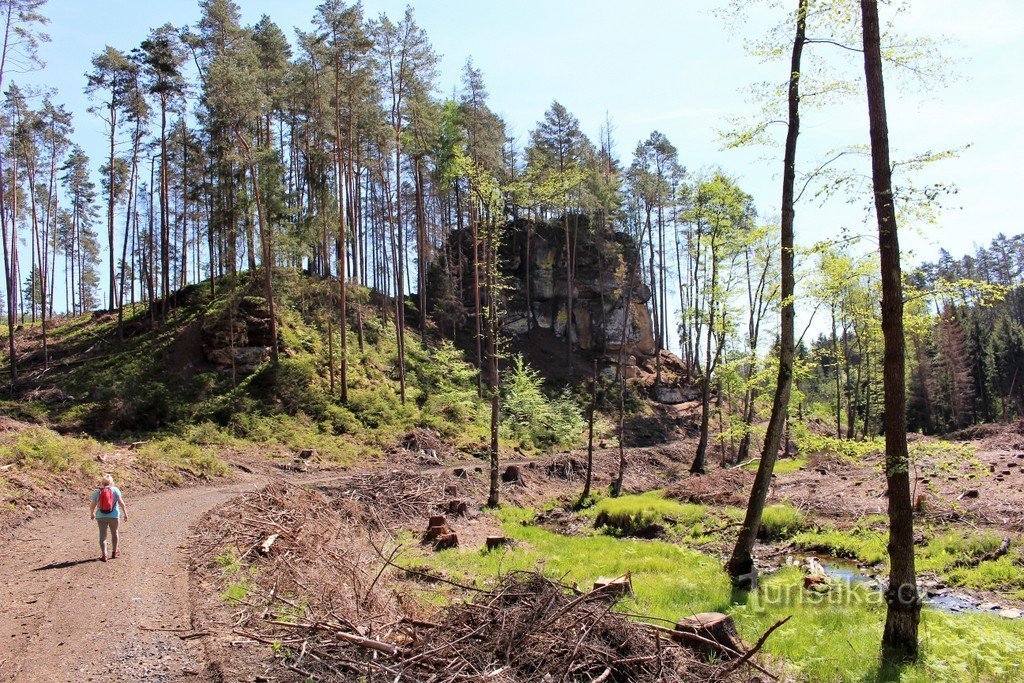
[106, 500]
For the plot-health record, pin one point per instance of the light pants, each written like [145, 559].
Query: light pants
[106, 524]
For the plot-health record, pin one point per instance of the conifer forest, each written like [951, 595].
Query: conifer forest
[512, 341]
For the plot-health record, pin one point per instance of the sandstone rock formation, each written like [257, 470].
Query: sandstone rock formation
[533, 262]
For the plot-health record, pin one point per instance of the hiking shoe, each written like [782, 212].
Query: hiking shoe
[117, 554]
[103, 558]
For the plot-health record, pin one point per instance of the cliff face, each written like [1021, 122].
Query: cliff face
[533, 263]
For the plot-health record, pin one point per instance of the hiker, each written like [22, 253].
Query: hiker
[106, 501]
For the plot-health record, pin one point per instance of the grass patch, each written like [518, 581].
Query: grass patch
[781, 521]
[834, 637]
[645, 515]
[861, 544]
[43, 449]
[782, 465]
[171, 459]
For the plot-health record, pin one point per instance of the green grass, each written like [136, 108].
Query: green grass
[834, 637]
[172, 459]
[781, 521]
[863, 545]
[636, 514]
[43, 449]
[782, 465]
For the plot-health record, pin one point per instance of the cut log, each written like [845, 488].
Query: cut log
[495, 542]
[618, 587]
[710, 626]
[267, 544]
[513, 475]
[449, 540]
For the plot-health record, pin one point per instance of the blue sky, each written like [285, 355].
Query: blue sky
[665, 65]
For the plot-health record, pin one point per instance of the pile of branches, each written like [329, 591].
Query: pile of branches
[303, 544]
[720, 487]
[527, 628]
[567, 467]
[392, 498]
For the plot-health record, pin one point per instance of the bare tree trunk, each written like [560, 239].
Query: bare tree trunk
[903, 613]
[590, 435]
[741, 564]
[268, 254]
[492, 364]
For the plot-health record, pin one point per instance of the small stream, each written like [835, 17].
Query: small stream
[935, 596]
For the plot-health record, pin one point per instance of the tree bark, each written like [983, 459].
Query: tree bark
[903, 613]
[741, 564]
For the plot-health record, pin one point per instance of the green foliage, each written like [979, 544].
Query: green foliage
[531, 417]
[450, 400]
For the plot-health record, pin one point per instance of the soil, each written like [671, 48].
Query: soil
[74, 618]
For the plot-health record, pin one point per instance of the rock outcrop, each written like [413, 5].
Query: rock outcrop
[603, 302]
[241, 337]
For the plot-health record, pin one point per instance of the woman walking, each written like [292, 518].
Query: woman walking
[108, 509]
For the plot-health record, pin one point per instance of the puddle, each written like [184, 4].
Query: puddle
[939, 598]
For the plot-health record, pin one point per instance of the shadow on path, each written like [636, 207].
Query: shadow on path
[65, 565]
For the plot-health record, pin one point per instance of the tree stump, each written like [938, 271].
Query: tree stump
[718, 628]
[451, 490]
[618, 587]
[436, 527]
[436, 532]
[461, 472]
[495, 542]
[513, 475]
[446, 541]
[458, 508]
[307, 453]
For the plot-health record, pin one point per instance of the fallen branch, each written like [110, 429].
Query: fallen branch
[757, 646]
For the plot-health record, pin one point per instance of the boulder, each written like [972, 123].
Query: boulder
[670, 395]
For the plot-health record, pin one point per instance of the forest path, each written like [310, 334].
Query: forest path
[66, 616]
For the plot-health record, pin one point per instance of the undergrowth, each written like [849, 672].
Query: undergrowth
[834, 637]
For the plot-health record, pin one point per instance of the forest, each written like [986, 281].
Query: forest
[298, 268]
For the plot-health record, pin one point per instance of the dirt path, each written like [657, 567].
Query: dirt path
[65, 616]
